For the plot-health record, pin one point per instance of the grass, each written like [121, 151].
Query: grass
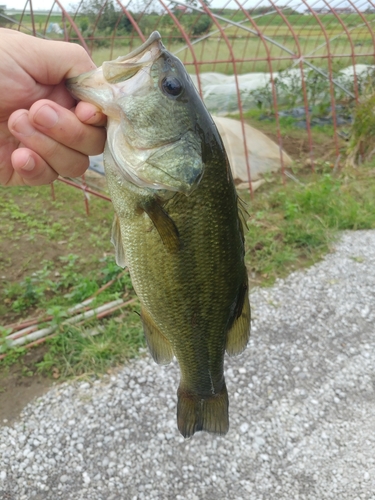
[294, 225]
[93, 350]
[89, 350]
[308, 38]
[49, 263]
[51, 290]
[290, 226]
[251, 50]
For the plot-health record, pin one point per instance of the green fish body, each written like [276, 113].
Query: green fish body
[177, 226]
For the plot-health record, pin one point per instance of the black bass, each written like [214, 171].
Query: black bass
[178, 222]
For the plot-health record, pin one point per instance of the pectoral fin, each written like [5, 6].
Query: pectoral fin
[160, 348]
[165, 226]
[239, 333]
[116, 241]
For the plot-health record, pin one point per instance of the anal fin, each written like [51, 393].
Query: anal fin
[159, 346]
[164, 224]
[239, 333]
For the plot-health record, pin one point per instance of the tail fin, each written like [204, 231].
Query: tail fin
[197, 414]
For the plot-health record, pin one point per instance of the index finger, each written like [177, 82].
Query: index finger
[62, 126]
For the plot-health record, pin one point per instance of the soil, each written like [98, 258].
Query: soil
[297, 145]
[19, 385]
[27, 256]
[20, 256]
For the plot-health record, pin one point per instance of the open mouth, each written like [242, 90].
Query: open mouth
[101, 85]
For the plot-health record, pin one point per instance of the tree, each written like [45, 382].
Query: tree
[4, 20]
[110, 17]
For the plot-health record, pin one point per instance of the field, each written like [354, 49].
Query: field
[346, 39]
[250, 54]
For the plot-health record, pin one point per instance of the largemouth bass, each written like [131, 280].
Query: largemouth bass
[178, 222]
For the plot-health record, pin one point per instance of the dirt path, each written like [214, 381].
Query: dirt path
[19, 385]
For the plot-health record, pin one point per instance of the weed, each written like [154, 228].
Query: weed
[294, 225]
[69, 286]
[78, 351]
[13, 355]
[362, 141]
[289, 226]
[360, 260]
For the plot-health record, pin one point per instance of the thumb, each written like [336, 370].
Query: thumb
[90, 114]
[47, 61]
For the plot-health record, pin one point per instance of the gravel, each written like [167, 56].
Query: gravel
[302, 409]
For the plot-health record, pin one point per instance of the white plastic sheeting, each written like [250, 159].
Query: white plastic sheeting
[219, 90]
[263, 154]
[220, 95]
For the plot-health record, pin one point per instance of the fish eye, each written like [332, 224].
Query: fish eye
[171, 86]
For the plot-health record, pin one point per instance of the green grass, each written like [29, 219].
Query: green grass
[80, 349]
[47, 288]
[53, 256]
[94, 349]
[290, 226]
[294, 225]
[246, 46]
[252, 50]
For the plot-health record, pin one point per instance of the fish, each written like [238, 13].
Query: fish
[178, 225]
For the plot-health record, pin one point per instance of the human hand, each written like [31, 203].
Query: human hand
[42, 133]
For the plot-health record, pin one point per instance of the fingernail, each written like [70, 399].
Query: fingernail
[89, 116]
[29, 165]
[46, 117]
[23, 126]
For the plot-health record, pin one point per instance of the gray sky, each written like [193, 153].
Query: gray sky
[37, 4]
[46, 4]
[297, 4]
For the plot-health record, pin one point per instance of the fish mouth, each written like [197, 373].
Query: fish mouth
[101, 86]
[139, 54]
[169, 161]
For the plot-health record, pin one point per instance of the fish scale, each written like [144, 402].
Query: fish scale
[177, 227]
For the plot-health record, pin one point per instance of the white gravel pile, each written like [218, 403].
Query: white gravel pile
[302, 409]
